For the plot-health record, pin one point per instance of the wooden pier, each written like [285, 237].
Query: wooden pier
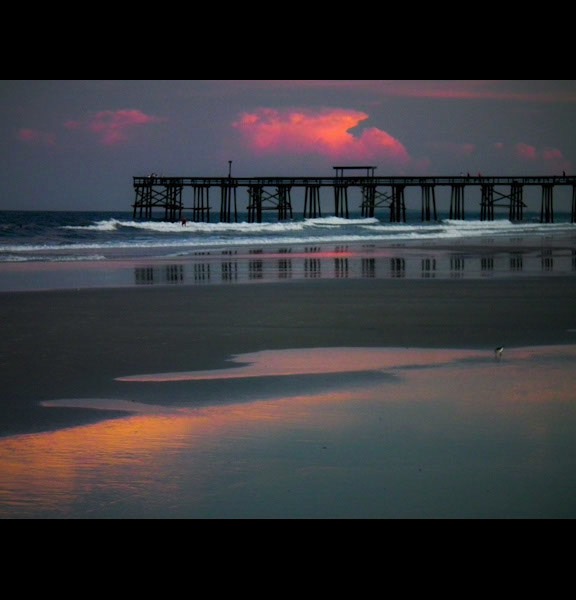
[377, 194]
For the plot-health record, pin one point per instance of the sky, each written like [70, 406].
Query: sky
[77, 144]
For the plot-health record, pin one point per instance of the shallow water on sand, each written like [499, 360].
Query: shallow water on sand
[487, 260]
[381, 433]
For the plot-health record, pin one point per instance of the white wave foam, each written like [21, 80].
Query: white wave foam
[26, 258]
[108, 225]
[245, 227]
[335, 221]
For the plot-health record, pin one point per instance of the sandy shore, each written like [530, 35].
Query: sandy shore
[75, 343]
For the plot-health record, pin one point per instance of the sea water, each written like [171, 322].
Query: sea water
[48, 250]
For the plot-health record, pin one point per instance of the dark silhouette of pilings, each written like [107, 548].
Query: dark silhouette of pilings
[547, 209]
[260, 200]
[228, 203]
[490, 199]
[255, 194]
[394, 201]
[398, 205]
[163, 195]
[341, 201]
[487, 203]
[516, 202]
[429, 203]
[143, 203]
[457, 202]
[312, 208]
[173, 205]
[201, 206]
[284, 202]
[368, 205]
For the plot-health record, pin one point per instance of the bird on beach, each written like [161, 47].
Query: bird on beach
[498, 352]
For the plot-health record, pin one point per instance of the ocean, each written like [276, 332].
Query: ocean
[216, 252]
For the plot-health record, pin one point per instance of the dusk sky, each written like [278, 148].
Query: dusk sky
[76, 144]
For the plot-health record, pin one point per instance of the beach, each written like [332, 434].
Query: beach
[103, 381]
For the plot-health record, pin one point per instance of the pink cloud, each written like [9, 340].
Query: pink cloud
[526, 152]
[549, 159]
[326, 132]
[114, 127]
[554, 160]
[73, 125]
[36, 137]
[552, 154]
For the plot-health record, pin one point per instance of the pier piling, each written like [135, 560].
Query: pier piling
[547, 210]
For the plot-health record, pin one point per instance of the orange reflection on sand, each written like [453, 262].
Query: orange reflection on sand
[50, 466]
[52, 474]
[314, 361]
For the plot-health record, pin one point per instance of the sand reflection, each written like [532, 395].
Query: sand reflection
[455, 434]
[274, 363]
[140, 465]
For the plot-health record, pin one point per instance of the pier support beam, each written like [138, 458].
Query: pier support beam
[516, 202]
[143, 202]
[255, 193]
[262, 200]
[201, 204]
[398, 205]
[159, 193]
[173, 203]
[457, 202]
[228, 203]
[312, 208]
[429, 203]
[574, 204]
[487, 203]
[547, 210]
[284, 202]
[341, 201]
[368, 201]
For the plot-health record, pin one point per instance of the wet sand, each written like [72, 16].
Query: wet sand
[318, 398]
[76, 343]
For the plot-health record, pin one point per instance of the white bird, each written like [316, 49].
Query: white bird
[498, 352]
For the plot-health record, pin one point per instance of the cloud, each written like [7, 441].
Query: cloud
[554, 160]
[549, 160]
[36, 137]
[113, 127]
[325, 132]
[526, 151]
[521, 90]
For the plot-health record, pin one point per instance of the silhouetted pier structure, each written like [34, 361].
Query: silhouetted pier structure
[157, 193]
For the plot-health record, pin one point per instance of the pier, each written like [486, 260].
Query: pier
[330, 196]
